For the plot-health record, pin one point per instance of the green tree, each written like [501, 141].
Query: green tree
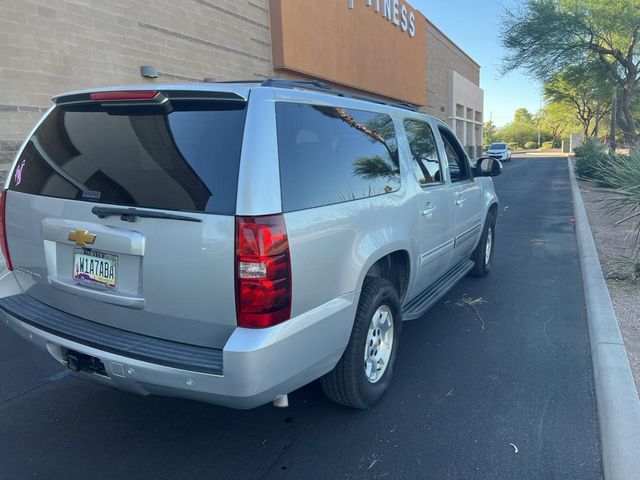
[547, 36]
[490, 133]
[522, 116]
[558, 119]
[523, 129]
[519, 133]
[588, 89]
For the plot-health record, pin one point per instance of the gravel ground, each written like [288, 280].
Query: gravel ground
[615, 242]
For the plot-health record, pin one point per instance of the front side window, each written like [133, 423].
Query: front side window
[331, 154]
[424, 152]
[457, 158]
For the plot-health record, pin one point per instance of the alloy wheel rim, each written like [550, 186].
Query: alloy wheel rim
[377, 351]
[488, 247]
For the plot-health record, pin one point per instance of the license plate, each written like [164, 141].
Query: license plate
[95, 268]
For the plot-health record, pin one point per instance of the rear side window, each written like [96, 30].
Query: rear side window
[330, 155]
[185, 158]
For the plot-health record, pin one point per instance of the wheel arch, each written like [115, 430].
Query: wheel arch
[394, 266]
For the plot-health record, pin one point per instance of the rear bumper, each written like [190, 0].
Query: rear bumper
[258, 365]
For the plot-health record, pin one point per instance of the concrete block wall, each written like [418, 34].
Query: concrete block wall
[443, 55]
[52, 46]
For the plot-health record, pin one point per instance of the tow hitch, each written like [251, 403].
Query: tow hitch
[79, 362]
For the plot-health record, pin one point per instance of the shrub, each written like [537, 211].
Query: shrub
[628, 268]
[530, 145]
[621, 175]
[589, 156]
[547, 146]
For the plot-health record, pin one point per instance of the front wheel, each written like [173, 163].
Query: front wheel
[483, 254]
[364, 372]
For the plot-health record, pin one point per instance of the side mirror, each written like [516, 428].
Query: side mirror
[488, 167]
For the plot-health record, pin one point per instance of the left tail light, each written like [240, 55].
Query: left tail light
[263, 271]
[3, 229]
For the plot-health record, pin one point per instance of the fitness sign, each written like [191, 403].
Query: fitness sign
[399, 14]
[373, 46]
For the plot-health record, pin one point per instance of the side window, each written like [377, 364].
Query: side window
[424, 152]
[330, 155]
[458, 164]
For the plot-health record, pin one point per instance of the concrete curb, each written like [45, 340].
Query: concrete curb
[616, 395]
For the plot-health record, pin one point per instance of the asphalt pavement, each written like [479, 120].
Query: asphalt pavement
[494, 382]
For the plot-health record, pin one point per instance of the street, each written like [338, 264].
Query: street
[495, 382]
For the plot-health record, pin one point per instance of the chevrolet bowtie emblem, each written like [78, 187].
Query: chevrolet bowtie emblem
[82, 237]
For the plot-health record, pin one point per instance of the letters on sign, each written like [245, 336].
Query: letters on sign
[398, 14]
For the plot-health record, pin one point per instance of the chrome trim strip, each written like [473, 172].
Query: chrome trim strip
[437, 249]
[466, 233]
[98, 295]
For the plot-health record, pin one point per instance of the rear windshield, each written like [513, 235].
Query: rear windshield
[498, 146]
[183, 158]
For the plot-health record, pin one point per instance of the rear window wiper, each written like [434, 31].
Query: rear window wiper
[130, 214]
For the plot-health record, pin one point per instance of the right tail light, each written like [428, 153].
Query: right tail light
[263, 271]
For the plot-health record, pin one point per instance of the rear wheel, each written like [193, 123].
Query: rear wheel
[483, 254]
[364, 372]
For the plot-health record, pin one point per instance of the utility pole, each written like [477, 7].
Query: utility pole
[539, 122]
[614, 120]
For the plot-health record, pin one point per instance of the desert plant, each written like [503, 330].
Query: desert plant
[628, 268]
[589, 160]
[530, 145]
[621, 174]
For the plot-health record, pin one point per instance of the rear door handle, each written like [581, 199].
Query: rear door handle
[460, 202]
[428, 210]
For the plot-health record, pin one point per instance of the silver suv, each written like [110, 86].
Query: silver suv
[233, 242]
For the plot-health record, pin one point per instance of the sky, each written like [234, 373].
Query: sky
[474, 25]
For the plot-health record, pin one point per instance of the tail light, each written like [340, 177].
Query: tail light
[3, 229]
[263, 271]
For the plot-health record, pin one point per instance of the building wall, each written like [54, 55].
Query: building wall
[53, 46]
[453, 87]
[466, 101]
[442, 56]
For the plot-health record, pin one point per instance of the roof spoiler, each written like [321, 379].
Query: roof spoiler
[144, 97]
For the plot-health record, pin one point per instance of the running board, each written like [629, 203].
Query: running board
[425, 300]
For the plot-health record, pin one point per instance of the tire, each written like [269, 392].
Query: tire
[348, 383]
[483, 256]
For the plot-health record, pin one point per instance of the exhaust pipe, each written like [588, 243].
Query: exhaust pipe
[281, 401]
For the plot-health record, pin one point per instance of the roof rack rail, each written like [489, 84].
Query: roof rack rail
[319, 86]
[308, 84]
[259, 81]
